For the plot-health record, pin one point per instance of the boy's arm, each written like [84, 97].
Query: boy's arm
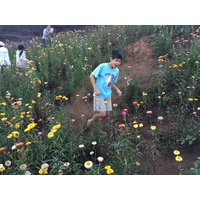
[117, 89]
[93, 81]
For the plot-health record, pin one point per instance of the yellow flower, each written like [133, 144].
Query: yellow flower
[176, 152]
[33, 101]
[28, 143]
[110, 171]
[107, 167]
[58, 97]
[50, 135]
[4, 119]
[153, 128]
[39, 95]
[105, 102]
[15, 134]
[26, 130]
[17, 125]
[2, 114]
[56, 127]
[135, 125]
[144, 93]
[114, 105]
[31, 126]
[39, 81]
[190, 99]
[9, 136]
[140, 125]
[65, 98]
[178, 158]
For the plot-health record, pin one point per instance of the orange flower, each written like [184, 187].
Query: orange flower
[135, 103]
[121, 126]
[20, 144]
[2, 149]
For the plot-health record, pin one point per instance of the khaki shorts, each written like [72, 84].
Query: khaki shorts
[102, 105]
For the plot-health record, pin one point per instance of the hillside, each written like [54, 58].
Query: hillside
[140, 64]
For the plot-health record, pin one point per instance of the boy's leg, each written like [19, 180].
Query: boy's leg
[103, 107]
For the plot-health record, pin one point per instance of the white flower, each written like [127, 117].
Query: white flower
[91, 152]
[160, 118]
[28, 173]
[13, 147]
[44, 166]
[88, 164]
[7, 163]
[94, 143]
[66, 164]
[81, 145]
[100, 159]
[1, 166]
[23, 167]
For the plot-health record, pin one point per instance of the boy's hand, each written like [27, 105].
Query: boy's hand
[97, 92]
[119, 92]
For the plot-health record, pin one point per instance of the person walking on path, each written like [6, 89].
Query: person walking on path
[47, 36]
[103, 78]
[4, 57]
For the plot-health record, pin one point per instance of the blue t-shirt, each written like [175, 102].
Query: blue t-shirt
[105, 77]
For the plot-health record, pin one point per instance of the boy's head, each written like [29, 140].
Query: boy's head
[115, 59]
[116, 54]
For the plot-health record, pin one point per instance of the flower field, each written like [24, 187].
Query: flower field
[39, 136]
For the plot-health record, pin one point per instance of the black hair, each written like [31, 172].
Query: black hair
[20, 47]
[116, 54]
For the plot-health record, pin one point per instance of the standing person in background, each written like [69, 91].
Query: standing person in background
[47, 36]
[4, 57]
[103, 79]
[21, 61]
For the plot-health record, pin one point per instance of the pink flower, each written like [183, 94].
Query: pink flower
[100, 159]
[149, 112]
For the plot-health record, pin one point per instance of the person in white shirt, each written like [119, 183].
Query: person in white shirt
[4, 56]
[47, 36]
[21, 61]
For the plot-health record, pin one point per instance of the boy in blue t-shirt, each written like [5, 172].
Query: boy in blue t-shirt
[103, 78]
